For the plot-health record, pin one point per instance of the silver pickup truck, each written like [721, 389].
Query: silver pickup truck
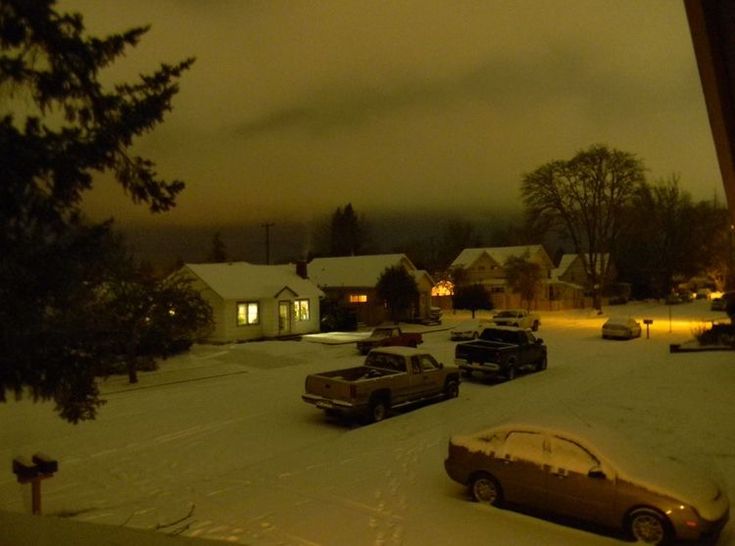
[390, 377]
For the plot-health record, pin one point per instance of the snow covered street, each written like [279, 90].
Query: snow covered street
[219, 440]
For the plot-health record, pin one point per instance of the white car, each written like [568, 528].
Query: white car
[517, 317]
[621, 328]
[470, 329]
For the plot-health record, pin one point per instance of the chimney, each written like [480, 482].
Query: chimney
[301, 269]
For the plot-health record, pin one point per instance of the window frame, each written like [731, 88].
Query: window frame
[247, 305]
[298, 307]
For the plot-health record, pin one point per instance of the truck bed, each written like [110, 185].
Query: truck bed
[359, 373]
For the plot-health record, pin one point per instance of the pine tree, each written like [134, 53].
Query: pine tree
[59, 126]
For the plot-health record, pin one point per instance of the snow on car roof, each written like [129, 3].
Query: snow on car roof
[619, 320]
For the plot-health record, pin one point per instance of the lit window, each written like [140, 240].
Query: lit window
[247, 313]
[301, 309]
[358, 298]
[443, 288]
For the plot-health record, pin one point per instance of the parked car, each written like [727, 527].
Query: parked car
[517, 317]
[720, 303]
[621, 328]
[391, 377]
[469, 329]
[590, 475]
[501, 351]
[704, 294]
[388, 336]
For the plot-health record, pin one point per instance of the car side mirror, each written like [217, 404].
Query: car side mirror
[539, 341]
[597, 473]
[441, 366]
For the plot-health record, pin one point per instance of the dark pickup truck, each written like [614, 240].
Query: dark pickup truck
[501, 351]
[390, 377]
[389, 336]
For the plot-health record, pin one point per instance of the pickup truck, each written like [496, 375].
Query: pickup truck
[517, 317]
[501, 350]
[390, 377]
[388, 336]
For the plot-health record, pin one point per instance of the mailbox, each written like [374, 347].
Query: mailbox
[45, 464]
[24, 469]
[647, 321]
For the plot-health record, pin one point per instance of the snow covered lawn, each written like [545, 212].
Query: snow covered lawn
[221, 435]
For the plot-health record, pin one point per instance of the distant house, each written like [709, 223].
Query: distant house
[562, 287]
[571, 269]
[256, 301]
[351, 281]
[486, 266]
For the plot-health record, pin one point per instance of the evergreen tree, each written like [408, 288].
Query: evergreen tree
[347, 233]
[399, 291]
[473, 297]
[218, 253]
[58, 126]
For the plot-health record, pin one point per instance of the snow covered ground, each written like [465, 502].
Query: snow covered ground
[219, 441]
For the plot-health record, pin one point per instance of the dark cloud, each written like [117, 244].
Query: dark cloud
[294, 108]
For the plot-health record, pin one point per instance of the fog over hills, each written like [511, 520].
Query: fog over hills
[165, 245]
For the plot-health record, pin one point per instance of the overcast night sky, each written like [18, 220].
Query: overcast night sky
[294, 108]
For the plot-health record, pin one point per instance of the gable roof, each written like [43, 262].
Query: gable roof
[242, 280]
[499, 254]
[568, 259]
[355, 271]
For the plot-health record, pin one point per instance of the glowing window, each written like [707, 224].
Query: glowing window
[247, 313]
[443, 288]
[301, 309]
[358, 298]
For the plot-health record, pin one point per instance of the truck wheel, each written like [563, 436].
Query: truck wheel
[451, 389]
[541, 364]
[378, 411]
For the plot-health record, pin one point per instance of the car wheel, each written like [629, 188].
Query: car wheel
[451, 390]
[648, 527]
[510, 375]
[541, 364]
[378, 411]
[486, 489]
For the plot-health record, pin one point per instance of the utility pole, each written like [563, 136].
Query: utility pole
[267, 226]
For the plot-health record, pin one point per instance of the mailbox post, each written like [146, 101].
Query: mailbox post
[39, 467]
[648, 322]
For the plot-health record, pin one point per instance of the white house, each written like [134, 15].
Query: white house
[351, 281]
[256, 301]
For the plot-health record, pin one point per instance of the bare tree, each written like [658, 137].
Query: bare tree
[585, 198]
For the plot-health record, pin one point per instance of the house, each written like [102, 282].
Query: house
[572, 282]
[571, 269]
[486, 266]
[256, 301]
[351, 281]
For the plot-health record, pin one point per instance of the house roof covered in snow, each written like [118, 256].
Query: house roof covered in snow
[568, 259]
[499, 254]
[242, 280]
[355, 271]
